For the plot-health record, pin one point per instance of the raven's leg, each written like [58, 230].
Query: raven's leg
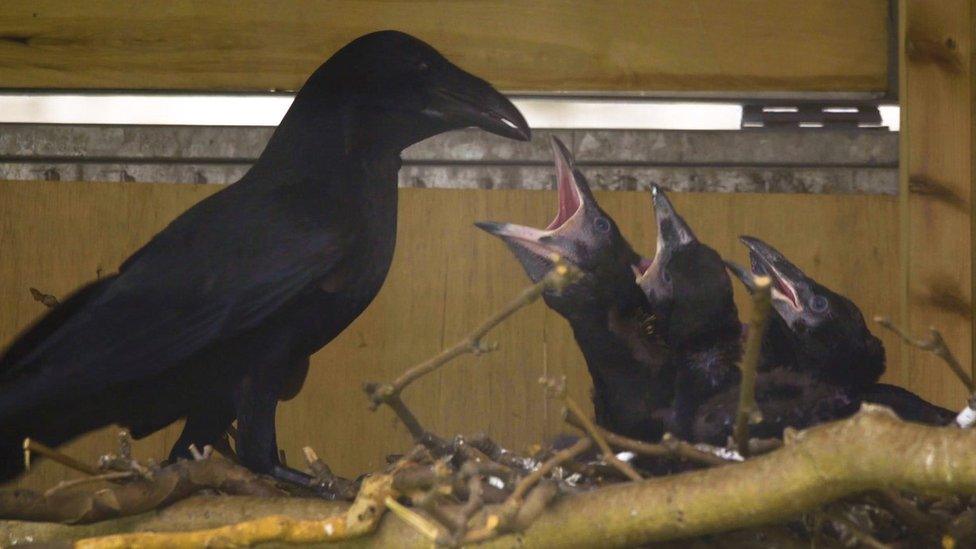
[257, 448]
[203, 426]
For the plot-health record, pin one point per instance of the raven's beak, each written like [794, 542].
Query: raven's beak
[470, 101]
[672, 233]
[744, 275]
[535, 248]
[790, 284]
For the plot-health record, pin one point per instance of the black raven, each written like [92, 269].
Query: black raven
[607, 311]
[214, 319]
[819, 360]
[688, 287]
[822, 334]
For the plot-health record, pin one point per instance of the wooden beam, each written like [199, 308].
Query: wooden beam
[936, 187]
[565, 45]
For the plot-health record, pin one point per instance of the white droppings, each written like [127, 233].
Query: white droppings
[723, 453]
[626, 456]
[329, 529]
[496, 482]
[966, 418]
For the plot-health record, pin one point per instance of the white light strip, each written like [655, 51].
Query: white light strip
[267, 110]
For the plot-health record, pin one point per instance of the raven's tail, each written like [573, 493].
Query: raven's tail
[11, 455]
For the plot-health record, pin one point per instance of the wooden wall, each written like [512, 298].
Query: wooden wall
[937, 91]
[549, 45]
[446, 277]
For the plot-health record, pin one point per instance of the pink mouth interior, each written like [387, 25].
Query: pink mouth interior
[569, 200]
[786, 290]
[643, 265]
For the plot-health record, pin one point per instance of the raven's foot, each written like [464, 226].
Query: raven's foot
[336, 488]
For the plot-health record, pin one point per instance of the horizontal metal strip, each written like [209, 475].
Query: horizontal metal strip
[736, 179]
[604, 147]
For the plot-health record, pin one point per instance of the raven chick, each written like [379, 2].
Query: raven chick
[688, 287]
[821, 334]
[215, 318]
[610, 318]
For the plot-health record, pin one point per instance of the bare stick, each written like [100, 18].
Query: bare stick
[555, 280]
[671, 448]
[112, 476]
[534, 477]
[573, 410]
[34, 447]
[936, 345]
[863, 538]
[748, 410]
[415, 520]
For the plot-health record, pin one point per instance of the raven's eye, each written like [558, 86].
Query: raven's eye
[601, 224]
[818, 303]
[423, 67]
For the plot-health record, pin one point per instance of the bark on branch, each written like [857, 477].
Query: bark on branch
[815, 467]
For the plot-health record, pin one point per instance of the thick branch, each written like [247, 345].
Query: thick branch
[817, 466]
[170, 484]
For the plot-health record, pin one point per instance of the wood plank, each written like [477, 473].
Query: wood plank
[446, 277]
[936, 179]
[552, 45]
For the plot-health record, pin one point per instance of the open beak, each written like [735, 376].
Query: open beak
[789, 282]
[470, 101]
[536, 248]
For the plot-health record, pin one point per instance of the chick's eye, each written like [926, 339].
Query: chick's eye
[666, 276]
[818, 303]
[423, 67]
[601, 224]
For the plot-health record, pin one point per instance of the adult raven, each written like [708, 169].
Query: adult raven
[214, 319]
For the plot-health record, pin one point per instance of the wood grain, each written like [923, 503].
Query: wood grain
[936, 179]
[447, 276]
[551, 45]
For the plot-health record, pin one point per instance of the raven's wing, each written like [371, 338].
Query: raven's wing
[216, 271]
[38, 332]
[908, 405]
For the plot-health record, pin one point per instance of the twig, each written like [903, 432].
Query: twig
[335, 484]
[748, 410]
[555, 280]
[573, 410]
[936, 345]
[415, 520]
[34, 447]
[863, 537]
[534, 477]
[172, 483]
[65, 484]
[671, 448]
[474, 504]
[906, 511]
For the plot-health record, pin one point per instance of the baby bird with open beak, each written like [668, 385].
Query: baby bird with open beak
[611, 320]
